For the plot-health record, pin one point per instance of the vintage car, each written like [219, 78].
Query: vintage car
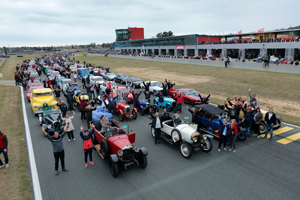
[76, 98]
[82, 72]
[189, 95]
[35, 84]
[144, 106]
[184, 133]
[124, 91]
[154, 88]
[96, 114]
[39, 96]
[121, 78]
[101, 72]
[73, 87]
[73, 69]
[123, 110]
[136, 81]
[209, 121]
[96, 79]
[109, 76]
[51, 120]
[95, 71]
[29, 91]
[117, 144]
[59, 79]
[46, 69]
[79, 65]
[64, 82]
[55, 73]
[106, 84]
[168, 103]
[49, 72]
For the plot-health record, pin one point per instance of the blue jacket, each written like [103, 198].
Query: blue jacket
[88, 136]
[111, 101]
[160, 98]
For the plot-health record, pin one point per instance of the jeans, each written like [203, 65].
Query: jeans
[267, 130]
[111, 109]
[70, 135]
[178, 106]
[61, 156]
[82, 115]
[232, 141]
[88, 152]
[256, 129]
[248, 130]
[223, 139]
[5, 157]
[24, 88]
[70, 105]
[98, 94]
[88, 122]
[161, 106]
[92, 94]
[157, 134]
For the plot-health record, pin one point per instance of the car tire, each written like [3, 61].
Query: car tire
[152, 132]
[114, 168]
[262, 128]
[191, 103]
[168, 107]
[242, 136]
[134, 115]
[210, 128]
[142, 111]
[278, 123]
[186, 149]
[104, 148]
[176, 136]
[206, 144]
[143, 161]
[121, 117]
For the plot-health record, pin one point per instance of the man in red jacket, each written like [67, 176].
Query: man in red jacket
[180, 101]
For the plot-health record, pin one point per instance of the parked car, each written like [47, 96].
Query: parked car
[189, 95]
[101, 72]
[136, 81]
[273, 58]
[123, 110]
[144, 107]
[209, 120]
[124, 91]
[258, 58]
[109, 76]
[96, 79]
[39, 96]
[35, 84]
[154, 88]
[46, 69]
[96, 114]
[73, 87]
[82, 72]
[105, 84]
[117, 144]
[73, 69]
[95, 71]
[168, 103]
[29, 91]
[182, 132]
[77, 99]
[121, 78]
[52, 121]
[64, 82]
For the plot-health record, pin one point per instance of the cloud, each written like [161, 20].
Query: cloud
[60, 22]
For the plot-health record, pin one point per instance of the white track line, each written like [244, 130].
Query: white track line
[34, 175]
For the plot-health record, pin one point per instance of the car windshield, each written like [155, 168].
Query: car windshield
[84, 70]
[54, 111]
[43, 94]
[123, 75]
[30, 90]
[102, 71]
[98, 79]
[136, 79]
[110, 132]
[159, 84]
[36, 84]
[110, 74]
[191, 92]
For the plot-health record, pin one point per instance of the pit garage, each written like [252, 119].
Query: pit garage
[253, 53]
[276, 52]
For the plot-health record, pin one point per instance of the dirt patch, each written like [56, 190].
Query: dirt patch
[152, 73]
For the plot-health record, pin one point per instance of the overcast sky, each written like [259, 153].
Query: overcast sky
[61, 22]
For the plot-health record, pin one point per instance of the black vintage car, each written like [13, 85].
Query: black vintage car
[51, 120]
[136, 82]
[121, 78]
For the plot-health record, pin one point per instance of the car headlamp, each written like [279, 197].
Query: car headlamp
[195, 139]
[120, 153]
[204, 137]
[35, 106]
[137, 149]
[49, 126]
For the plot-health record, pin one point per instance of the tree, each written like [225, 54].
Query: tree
[164, 34]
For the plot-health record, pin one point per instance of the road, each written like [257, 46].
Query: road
[259, 169]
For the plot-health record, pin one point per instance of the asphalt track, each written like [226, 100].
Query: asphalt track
[259, 169]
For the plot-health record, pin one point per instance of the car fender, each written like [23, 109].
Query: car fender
[121, 112]
[144, 151]
[135, 110]
[114, 157]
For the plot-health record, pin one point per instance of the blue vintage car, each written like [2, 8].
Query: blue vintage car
[96, 114]
[168, 103]
[82, 72]
[209, 120]
[144, 106]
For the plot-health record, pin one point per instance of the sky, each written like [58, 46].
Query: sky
[67, 22]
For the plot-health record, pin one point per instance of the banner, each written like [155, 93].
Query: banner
[261, 30]
[240, 32]
[180, 47]
[143, 49]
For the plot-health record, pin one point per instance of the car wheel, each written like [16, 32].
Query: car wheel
[206, 144]
[142, 111]
[114, 168]
[134, 115]
[186, 149]
[104, 148]
[121, 117]
[191, 103]
[262, 128]
[176, 136]
[210, 128]
[168, 107]
[278, 124]
[242, 136]
[143, 161]
[153, 132]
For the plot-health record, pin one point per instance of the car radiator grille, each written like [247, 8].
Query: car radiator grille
[198, 140]
[127, 155]
[127, 110]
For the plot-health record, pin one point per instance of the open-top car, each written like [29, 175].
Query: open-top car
[144, 107]
[121, 78]
[189, 95]
[209, 121]
[116, 144]
[168, 103]
[123, 110]
[83, 96]
[184, 133]
[51, 120]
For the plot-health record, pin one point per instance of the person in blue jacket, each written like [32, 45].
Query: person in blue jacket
[87, 143]
[111, 103]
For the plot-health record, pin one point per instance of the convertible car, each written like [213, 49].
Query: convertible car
[189, 95]
[123, 110]
[176, 131]
[168, 103]
[144, 107]
[117, 144]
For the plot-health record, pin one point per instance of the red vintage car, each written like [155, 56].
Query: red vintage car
[101, 72]
[126, 92]
[35, 84]
[190, 95]
[115, 143]
[123, 110]
[29, 91]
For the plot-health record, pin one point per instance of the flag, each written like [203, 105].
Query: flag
[240, 32]
[143, 49]
[261, 30]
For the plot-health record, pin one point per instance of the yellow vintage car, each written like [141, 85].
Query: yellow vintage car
[39, 96]
[73, 69]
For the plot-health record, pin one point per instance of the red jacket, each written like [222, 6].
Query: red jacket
[235, 129]
[83, 104]
[180, 100]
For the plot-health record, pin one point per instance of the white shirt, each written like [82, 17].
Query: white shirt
[75, 75]
[157, 125]
[270, 115]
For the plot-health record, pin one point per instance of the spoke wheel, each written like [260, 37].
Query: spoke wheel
[186, 150]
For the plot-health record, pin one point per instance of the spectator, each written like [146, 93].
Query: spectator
[248, 119]
[180, 101]
[89, 114]
[57, 94]
[68, 120]
[111, 103]
[257, 120]
[87, 144]
[136, 96]
[160, 100]
[97, 87]
[297, 62]
[233, 132]
[147, 85]
[63, 108]
[270, 120]
[3, 149]
[147, 95]
[69, 98]
[83, 104]
[156, 125]
[204, 100]
[102, 103]
[232, 112]
[75, 77]
[195, 113]
[223, 133]
[165, 86]
[58, 148]
[253, 99]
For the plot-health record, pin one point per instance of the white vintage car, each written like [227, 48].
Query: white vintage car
[96, 79]
[184, 133]
[154, 88]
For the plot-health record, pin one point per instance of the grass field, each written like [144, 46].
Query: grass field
[277, 90]
[15, 182]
